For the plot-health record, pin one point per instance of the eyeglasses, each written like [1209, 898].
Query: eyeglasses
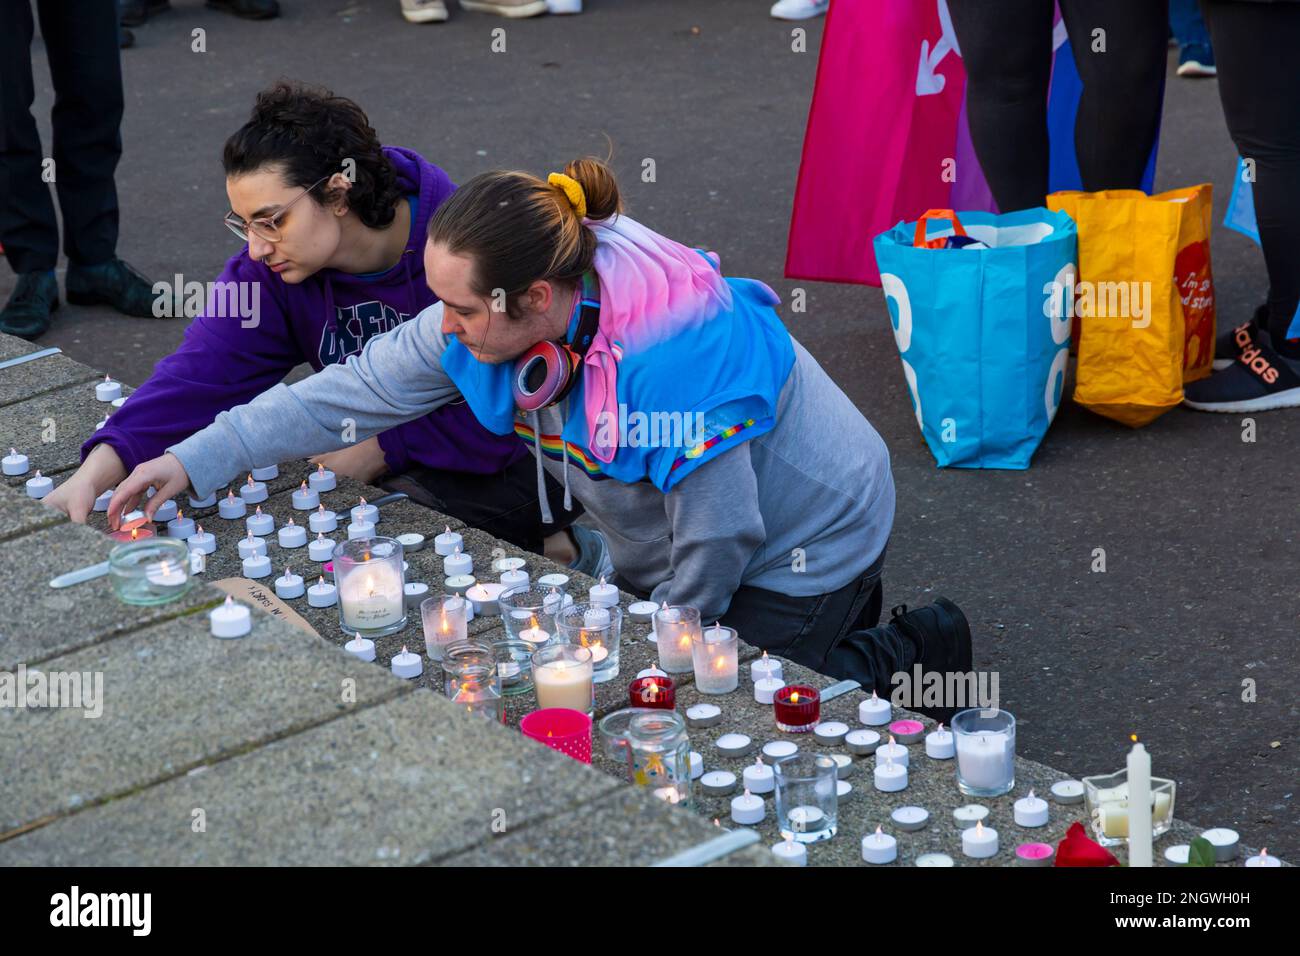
[267, 228]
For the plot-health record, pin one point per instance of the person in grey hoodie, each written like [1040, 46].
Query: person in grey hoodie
[724, 466]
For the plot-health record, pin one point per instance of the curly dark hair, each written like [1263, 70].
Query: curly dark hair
[309, 133]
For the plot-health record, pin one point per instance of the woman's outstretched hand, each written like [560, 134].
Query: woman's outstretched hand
[165, 474]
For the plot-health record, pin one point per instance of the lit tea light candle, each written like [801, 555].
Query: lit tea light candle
[790, 852]
[759, 777]
[459, 583]
[765, 689]
[292, 535]
[232, 508]
[890, 777]
[910, 819]
[167, 512]
[166, 574]
[748, 809]
[934, 860]
[967, 816]
[323, 594]
[457, 563]
[322, 479]
[879, 848]
[207, 501]
[14, 463]
[1035, 854]
[257, 566]
[361, 648]
[288, 585]
[874, 712]
[136, 530]
[514, 579]
[204, 542]
[734, 745]
[939, 744]
[718, 783]
[179, 527]
[907, 731]
[449, 542]
[322, 549]
[979, 842]
[535, 635]
[766, 668]
[361, 529]
[260, 523]
[1263, 859]
[892, 751]
[407, 665]
[797, 708]
[267, 473]
[602, 594]
[252, 491]
[251, 546]
[830, 732]
[323, 521]
[365, 512]
[305, 499]
[414, 592]
[108, 390]
[483, 596]
[1030, 811]
[230, 619]
[698, 715]
[1067, 792]
[774, 750]
[557, 600]
[39, 486]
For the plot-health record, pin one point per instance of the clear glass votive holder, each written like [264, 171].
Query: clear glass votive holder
[479, 692]
[675, 629]
[807, 796]
[596, 628]
[562, 677]
[660, 754]
[986, 752]
[446, 620]
[1106, 799]
[714, 651]
[528, 613]
[472, 659]
[613, 733]
[514, 666]
[371, 586]
[150, 571]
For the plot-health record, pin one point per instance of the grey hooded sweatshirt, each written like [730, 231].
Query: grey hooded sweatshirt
[802, 509]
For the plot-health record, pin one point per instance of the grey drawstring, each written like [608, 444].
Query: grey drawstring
[564, 464]
[541, 473]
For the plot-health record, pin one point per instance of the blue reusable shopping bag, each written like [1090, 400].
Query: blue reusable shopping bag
[984, 330]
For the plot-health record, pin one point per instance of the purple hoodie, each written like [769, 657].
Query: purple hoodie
[321, 321]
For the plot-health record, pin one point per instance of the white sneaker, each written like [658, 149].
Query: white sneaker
[799, 9]
[424, 11]
[563, 6]
[506, 8]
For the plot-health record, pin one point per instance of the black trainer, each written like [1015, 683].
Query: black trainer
[248, 9]
[1231, 343]
[941, 635]
[110, 283]
[28, 312]
[133, 13]
[1258, 381]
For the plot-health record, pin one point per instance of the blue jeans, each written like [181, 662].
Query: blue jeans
[1189, 29]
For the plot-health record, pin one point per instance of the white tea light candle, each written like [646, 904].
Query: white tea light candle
[1030, 811]
[748, 809]
[230, 619]
[406, 665]
[602, 594]
[322, 549]
[734, 745]
[14, 463]
[448, 542]
[365, 512]
[179, 527]
[101, 503]
[457, 563]
[699, 715]
[879, 848]
[968, 815]
[939, 744]
[167, 511]
[910, 819]
[862, 742]
[759, 777]
[39, 486]
[108, 390]
[260, 523]
[890, 777]
[361, 529]
[766, 668]
[413, 592]
[288, 585]
[718, 783]
[204, 542]
[873, 711]
[252, 491]
[765, 689]
[267, 473]
[232, 508]
[257, 566]
[207, 501]
[292, 535]
[831, 732]
[979, 842]
[305, 499]
[1067, 792]
[323, 594]
[776, 749]
[322, 479]
[322, 521]
[251, 546]
[361, 648]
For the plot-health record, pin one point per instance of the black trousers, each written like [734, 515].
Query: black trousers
[1255, 49]
[81, 40]
[1006, 46]
[504, 505]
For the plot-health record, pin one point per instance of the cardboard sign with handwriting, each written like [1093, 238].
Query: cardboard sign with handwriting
[262, 597]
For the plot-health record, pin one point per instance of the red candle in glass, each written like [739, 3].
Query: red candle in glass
[656, 691]
[797, 707]
[138, 533]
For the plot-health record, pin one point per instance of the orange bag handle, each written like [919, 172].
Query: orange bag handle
[921, 242]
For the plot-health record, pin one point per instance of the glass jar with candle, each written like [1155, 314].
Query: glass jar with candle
[714, 651]
[514, 666]
[660, 754]
[675, 628]
[1106, 800]
[986, 752]
[596, 628]
[562, 677]
[528, 613]
[150, 571]
[613, 732]
[371, 587]
[478, 691]
[445, 620]
[807, 796]
[471, 658]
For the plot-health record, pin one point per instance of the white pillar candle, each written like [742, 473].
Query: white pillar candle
[101, 503]
[207, 501]
[1263, 859]
[292, 535]
[1139, 802]
[982, 760]
[602, 594]
[459, 583]
[790, 852]
[266, 473]
[457, 563]
[14, 463]
[890, 777]
[979, 842]
[640, 611]
[891, 751]
[204, 542]
[361, 648]
[879, 848]
[407, 665]
[862, 742]
[257, 566]
[179, 527]
[934, 860]
[776, 749]
[939, 744]
[305, 499]
[718, 783]
[322, 549]
[765, 689]
[910, 819]
[483, 596]
[766, 668]
[563, 684]
[697, 715]
[831, 732]
[759, 777]
[734, 745]
[288, 585]
[748, 809]
[167, 511]
[1030, 811]
[514, 579]
[251, 546]
[361, 529]
[230, 619]
[322, 479]
[968, 815]
[323, 594]
[411, 541]
[371, 597]
[413, 592]
[365, 512]
[108, 390]
[39, 486]
[232, 508]
[1067, 792]
[873, 712]
[252, 491]
[322, 521]
[448, 542]
[260, 523]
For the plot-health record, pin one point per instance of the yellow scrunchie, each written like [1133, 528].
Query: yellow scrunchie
[573, 190]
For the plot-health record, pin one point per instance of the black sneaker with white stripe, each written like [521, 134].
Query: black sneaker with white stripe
[1258, 380]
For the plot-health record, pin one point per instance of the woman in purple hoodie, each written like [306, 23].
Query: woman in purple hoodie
[335, 228]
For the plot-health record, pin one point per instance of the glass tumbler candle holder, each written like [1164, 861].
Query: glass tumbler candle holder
[660, 754]
[150, 571]
[715, 654]
[596, 628]
[807, 796]
[562, 677]
[798, 707]
[613, 734]
[1106, 799]
[655, 691]
[675, 629]
[446, 620]
[986, 752]
[371, 586]
[528, 613]
[470, 659]
[478, 691]
[514, 666]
